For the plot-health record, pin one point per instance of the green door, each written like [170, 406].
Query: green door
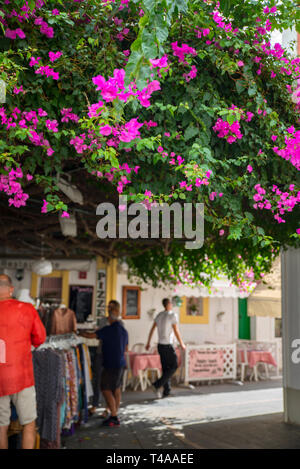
[244, 320]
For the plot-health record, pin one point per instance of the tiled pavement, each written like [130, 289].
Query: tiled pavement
[216, 416]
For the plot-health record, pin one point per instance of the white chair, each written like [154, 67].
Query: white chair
[243, 363]
[133, 381]
[140, 380]
[155, 374]
[126, 380]
[153, 349]
[138, 348]
[263, 347]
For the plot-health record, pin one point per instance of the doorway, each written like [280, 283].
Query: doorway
[244, 320]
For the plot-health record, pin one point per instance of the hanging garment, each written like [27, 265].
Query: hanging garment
[85, 412]
[87, 372]
[63, 321]
[46, 314]
[20, 328]
[49, 375]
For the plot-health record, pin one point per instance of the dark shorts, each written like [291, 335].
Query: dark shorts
[111, 378]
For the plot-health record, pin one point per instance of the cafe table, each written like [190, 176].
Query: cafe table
[141, 363]
[254, 357]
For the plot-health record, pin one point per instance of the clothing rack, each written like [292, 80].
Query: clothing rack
[63, 386]
[61, 342]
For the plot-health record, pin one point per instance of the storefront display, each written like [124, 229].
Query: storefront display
[63, 383]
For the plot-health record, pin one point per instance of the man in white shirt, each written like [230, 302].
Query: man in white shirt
[167, 325]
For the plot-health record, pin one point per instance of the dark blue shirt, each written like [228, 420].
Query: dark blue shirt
[114, 340]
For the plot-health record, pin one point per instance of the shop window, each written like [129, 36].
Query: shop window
[131, 302]
[194, 306]
[194, 310]
[81, 301]
[51, 289]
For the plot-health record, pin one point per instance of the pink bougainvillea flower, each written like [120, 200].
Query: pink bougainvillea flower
[240, 63]
[105, 130]
[249, 168]
[44, 207]
[274, 137]
[34, 61]
[221, 232]
[18, 90]
[65, 215]
[95, 109]
[54, 56]
[159, 63]
[42, 113]
[52, 125]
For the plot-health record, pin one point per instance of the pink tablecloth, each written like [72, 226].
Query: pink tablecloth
[255, 356]
[141, 361]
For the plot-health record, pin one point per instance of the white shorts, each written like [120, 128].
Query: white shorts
[25, 404]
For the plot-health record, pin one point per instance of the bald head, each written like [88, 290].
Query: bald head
[6, 287]
[5, 281]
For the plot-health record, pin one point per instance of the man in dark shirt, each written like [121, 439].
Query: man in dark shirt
[114, 339]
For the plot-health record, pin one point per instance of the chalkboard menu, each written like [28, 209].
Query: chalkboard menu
[81, 298]
[131, 304]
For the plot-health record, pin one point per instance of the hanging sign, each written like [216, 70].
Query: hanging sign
[100, 294]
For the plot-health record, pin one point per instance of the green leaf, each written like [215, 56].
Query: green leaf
[249, 216]
[235, 232]
[191, 132]
[260, 231]
[240, 86]
[149, 5]
[149, 47]
[252, 90]
[231, 119]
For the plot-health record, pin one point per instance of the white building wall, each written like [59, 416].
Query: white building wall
[222, 332]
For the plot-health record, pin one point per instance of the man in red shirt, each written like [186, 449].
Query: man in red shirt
[20, 328]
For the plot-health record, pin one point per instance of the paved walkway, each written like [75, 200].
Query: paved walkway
[217, 416]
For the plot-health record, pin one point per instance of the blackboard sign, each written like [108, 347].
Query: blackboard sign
[131, 303]
[81, 301]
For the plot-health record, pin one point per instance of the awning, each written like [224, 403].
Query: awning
[221, 288]
[266, 298]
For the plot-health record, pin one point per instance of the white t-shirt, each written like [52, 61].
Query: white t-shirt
[164, 322]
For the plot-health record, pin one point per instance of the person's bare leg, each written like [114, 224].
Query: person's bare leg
[29, 436]
[117, 396]
[111, 402]
[3, 437]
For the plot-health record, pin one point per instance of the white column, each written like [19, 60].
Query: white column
[291, 332]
